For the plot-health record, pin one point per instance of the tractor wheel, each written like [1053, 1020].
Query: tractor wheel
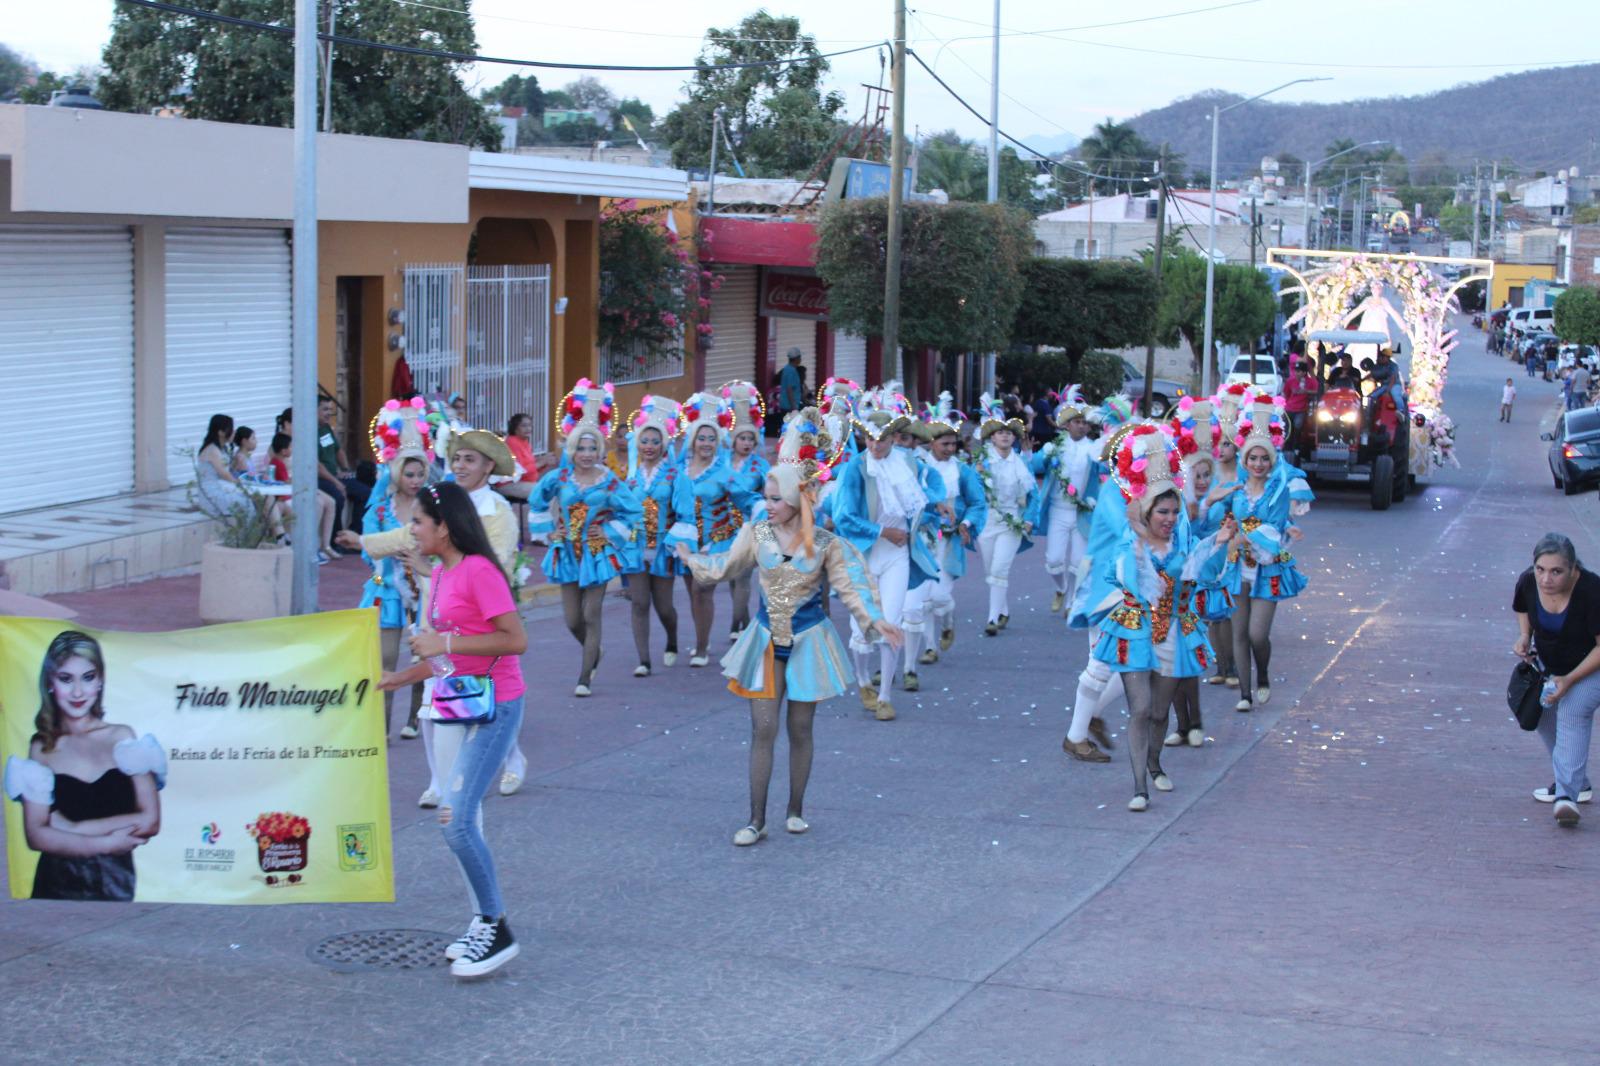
[1382, 482]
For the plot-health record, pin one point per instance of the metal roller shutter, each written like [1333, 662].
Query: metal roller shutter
[733, 323]
[799, 333]
[850, 357]
[66, 357]
[228, 343]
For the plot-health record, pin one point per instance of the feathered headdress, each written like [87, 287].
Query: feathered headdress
[588, 408]
[940, 418]
[879, 413]
[749, 413]
[1146, 465]
[1072, 405]
[1196, 430]
[402, 427]
[1114, 411]
[1261, 425]
[994, 419]
[806, 448]
[706, 409]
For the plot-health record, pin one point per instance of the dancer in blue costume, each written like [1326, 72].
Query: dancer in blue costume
[1197, 432]
[1261, 571]
[708, 504]
[1140, 594]
[1097, 685]
[653, 567]
[961, 511]
[1062, 508]
[591, 513]
[405, 455]
[750, 467]
[791, 652]
[1218, 608]
[878, 507]
[1008, 487]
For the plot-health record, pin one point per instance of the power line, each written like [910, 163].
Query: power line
[985, 81]
[1002, 133]
[1092, 26]
[472, 57]
[625, 32]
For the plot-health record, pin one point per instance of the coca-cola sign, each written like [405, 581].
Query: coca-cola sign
[793, 295]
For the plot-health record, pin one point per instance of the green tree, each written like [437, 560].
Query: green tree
[1456, 221]
[591, 94]
[1244, 306]
[641, 114]
[15, 71]
[960, 167]
[961, 278]
[214, 71]
[517, 91]
[43, 86]
[778, 118]
[1079, 304]
[1578, 315]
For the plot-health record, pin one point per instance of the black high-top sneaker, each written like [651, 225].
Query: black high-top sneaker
[489, 947]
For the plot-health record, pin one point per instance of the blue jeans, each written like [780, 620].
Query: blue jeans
[476, 765]
[1565, 730]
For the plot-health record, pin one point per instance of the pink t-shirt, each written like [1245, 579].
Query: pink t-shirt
[464, 600]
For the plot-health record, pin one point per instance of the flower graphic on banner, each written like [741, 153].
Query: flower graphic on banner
[210, 834]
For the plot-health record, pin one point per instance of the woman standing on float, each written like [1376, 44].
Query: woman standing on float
[791, 652]
[1008, 487]
[652, 565]
[749, 466]
[1139, 594]
[1260, 571]
[592, 515]
[707, 504]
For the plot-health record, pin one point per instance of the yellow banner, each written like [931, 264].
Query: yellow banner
[233, 764]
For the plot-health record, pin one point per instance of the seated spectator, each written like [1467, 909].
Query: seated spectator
[278, 456]
[519, 438]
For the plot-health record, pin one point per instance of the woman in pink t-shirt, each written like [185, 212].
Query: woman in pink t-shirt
[473, 620]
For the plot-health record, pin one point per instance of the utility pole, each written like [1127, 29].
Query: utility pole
[1477, 206]
[303, 318]
[1255, 235]
[1494, 205]
[711, 176]
[1161, 253]
[897, 169]
[327, 72]
[994, 112]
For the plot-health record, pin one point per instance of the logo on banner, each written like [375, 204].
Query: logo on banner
[210, 833]
[355, 847]
[794, 295]
[283, 844]
[209, 858]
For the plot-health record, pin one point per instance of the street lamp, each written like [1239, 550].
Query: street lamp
[1211, 228]
[1305, 210]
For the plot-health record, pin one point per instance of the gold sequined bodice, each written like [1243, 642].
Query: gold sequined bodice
[786, 587]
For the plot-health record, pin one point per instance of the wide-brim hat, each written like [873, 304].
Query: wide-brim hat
[488, 445]
[991, 426]
[879, 424]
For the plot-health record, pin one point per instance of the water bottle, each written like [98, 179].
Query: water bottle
[1547, 695]
[440, 664]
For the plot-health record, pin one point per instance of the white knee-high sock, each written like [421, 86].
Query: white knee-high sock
[997, 599]
[1086, 705]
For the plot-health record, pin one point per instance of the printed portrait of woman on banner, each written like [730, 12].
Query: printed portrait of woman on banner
[89, 788]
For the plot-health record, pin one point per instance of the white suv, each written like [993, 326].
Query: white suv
[1266, 373]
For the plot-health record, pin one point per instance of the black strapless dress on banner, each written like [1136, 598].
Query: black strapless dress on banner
[93, 877]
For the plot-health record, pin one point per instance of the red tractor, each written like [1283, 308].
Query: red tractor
[1354, 431]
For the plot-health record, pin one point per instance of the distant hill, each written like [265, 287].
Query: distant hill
[1051, 143]
[1541, 119]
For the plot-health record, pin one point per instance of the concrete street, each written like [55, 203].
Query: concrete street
[1354, 873]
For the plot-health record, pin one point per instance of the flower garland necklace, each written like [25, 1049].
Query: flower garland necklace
[1068, 491]
[1013, 521]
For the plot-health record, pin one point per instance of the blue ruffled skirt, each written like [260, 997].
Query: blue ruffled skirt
[563, 566]
[816, 669]
[1127, 643]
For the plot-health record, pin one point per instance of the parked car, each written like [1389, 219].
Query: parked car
[1163, 394]
[1266, 378]
[1523, 319]
[1575, 449]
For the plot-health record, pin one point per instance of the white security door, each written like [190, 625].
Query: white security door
[850, 357]
[66, 357]
[733, 323]
[228, 342]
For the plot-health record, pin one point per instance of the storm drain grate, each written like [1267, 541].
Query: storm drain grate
[382, 949]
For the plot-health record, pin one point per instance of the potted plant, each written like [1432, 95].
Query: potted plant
[246, 572]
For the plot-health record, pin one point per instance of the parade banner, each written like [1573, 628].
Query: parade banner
[238, 763]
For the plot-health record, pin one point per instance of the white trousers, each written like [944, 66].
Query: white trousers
[1064, 548]
[915, 623]
[998, 545]
[891, 568]
[1098, 686]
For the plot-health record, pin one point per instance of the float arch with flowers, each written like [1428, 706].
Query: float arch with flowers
[1338, 288]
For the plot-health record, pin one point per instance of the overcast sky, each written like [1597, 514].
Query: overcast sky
[1051, 82]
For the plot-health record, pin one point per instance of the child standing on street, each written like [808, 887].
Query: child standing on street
[1508, 396]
